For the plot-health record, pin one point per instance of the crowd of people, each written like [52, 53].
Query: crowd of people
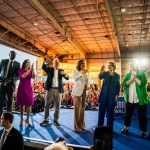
[78, 94]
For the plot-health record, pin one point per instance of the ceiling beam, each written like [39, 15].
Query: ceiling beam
[112, 25]
[38, 4]
[22, 35]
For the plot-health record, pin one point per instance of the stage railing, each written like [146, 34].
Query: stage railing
[46, 143]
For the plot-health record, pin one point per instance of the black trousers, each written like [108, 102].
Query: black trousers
[142, 109]
[6, 92]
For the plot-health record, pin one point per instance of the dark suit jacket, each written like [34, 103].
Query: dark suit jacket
[50, 76]
[14, 140]
[3, 70]
[109, 90]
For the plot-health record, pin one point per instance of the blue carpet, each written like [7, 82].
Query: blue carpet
[129, 141]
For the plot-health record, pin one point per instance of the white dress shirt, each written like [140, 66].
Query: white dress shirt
[8, 131]
[55, 79]
[133, 97]
[9, 64]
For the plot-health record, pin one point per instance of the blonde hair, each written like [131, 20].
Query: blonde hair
[113, 64]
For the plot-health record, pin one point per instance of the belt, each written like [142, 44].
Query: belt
[55, 87]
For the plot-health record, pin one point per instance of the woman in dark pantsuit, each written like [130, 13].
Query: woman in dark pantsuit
[109, 93]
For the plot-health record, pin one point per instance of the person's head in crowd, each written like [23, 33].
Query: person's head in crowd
[7, 119]
[80, 65]
[111, 65]
[58, 146]
[26, 64]
[12, 55]
[133, 65]
[56, 63]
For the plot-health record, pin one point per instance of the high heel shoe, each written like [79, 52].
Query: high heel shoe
[21, 122]
[27, 122]
[124, 130]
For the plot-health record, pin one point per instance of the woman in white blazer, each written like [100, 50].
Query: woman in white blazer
[80, 77]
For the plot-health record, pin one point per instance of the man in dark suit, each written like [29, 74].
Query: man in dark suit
[10, 138]
[54, 87]
[8, 77]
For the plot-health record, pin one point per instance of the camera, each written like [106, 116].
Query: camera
[103, 138]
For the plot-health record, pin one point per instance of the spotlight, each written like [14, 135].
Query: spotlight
[143, 62]
[137, 61]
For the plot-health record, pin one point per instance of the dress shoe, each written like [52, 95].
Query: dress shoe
[56, 123]
[45, 122]
[28, 123]
[143, 134]
[124, 130]
[79, 131]
[21, 122]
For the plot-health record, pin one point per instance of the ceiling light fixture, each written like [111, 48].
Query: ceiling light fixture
[35, 23]
[123, 10]
[127, 45]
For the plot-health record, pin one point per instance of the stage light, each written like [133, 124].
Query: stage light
[143, 62]
[137, 61]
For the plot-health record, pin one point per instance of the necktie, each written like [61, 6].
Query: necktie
[9, 73]
[2, 139]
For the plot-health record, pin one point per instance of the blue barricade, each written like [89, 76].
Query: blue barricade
[120, 107]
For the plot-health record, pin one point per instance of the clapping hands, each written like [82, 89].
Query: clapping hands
[84, 71]
[32, 66]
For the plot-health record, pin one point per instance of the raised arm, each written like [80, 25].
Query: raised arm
[102, 73]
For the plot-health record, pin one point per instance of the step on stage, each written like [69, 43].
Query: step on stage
[41, 136]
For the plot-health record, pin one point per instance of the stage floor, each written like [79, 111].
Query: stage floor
[129, 141]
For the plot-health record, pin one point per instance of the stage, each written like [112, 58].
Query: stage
[48, 134]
